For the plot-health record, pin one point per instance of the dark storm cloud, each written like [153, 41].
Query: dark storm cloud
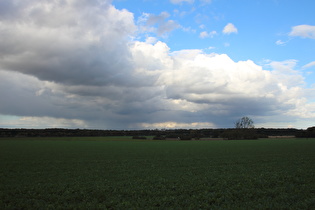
[77, 63]
[70, 43]
[7, 9]
[20, 98]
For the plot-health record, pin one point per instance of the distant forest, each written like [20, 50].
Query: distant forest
[168, 133]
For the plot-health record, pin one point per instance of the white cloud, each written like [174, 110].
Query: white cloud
[157, 23]
[304, 31]
[212, 33]
[206, 1]
[153, 19]
[187, 88]
[181, 1]
[151, 57]
[81, 68]
[151, 40]
[200, 82]
[286, 67]
[280, 42]
[205, 34]
[229, 28]
[190, 1]
[309, 65]
[188, 29]
[167, 27]
[175, 125]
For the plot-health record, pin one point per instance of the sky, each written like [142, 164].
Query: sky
[149, 64]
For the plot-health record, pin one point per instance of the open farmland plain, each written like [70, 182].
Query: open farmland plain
[120, 173]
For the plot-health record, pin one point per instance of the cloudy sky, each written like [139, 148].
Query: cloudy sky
[134, 64]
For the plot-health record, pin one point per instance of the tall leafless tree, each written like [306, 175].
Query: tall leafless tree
[244, 122]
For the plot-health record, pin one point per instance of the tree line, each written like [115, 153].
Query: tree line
[162, 133]
[244, 129]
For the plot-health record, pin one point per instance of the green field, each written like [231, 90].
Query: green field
[120, 173]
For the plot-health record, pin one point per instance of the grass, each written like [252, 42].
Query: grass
[115, 173]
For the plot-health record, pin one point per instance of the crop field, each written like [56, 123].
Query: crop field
[120, 173]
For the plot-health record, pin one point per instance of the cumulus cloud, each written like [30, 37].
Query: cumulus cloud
[229, 28]
[67, 42]
[98, 106]
[304, 31]
[73, 64]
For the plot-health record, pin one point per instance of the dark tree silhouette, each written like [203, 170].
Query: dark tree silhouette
[244, 122]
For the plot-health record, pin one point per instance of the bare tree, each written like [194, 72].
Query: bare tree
[244, 122]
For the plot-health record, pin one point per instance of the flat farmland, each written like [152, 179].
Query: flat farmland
[121, 173]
